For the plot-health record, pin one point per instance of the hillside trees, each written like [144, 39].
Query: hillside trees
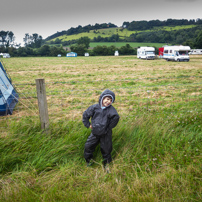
[145, 25]
[162, 36]
[84, 40]
[80, 49]
[198, 41]
[81, 46]
[145, 31]
[81, 29]
[175, 36]
[112, 38]
[104, 50]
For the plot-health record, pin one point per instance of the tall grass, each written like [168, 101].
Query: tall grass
[154, 159]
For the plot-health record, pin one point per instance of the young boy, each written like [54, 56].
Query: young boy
[104, 117]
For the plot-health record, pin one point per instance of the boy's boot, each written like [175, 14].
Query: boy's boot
[89, 163]
[106, 167]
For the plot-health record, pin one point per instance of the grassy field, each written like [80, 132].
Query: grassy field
[132, 44]
[156, 146]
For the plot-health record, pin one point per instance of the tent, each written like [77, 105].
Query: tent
[72, 54]
[8, 94]
[116, 53]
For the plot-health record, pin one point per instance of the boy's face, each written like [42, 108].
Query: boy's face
[106, 101]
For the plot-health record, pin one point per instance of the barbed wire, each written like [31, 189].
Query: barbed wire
[56, 110]
[128, 100]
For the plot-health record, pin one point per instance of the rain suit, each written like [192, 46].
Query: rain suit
[102, 121]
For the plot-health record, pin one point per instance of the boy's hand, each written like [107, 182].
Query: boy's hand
[91, 127]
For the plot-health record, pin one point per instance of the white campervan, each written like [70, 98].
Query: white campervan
[195, 52]
[176, 53]
[146, 53]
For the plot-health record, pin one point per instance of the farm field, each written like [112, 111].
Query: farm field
[156, 145]
[132, 44]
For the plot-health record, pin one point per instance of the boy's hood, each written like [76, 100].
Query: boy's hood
[105, 93]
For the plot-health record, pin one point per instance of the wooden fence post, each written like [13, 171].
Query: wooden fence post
[42, 103]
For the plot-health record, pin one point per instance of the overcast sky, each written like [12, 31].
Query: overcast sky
[46, 17]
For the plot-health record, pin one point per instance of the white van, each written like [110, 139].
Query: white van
[147, 53]
[176, 53]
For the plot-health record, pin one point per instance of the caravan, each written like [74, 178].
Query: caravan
[147, 53]
[8, 94]
[176, 53]
[195, 52]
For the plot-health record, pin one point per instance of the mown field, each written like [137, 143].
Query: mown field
[156, 145]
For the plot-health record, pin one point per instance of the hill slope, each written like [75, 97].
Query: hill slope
[122, 32]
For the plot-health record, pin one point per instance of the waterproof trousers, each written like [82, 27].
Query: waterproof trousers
[105, 146]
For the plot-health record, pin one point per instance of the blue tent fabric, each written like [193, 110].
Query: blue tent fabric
[71, 54]
[8, 95]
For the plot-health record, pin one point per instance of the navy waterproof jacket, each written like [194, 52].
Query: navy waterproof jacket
[102, 120]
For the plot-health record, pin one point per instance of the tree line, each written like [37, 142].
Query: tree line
[44, 50]
[81, 47]
[145, 25]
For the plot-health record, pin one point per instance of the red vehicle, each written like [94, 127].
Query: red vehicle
[161, 52]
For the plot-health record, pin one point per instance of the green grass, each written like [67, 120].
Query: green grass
[156, 145]
[120, 44]
[150, 158]
[172, 28]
